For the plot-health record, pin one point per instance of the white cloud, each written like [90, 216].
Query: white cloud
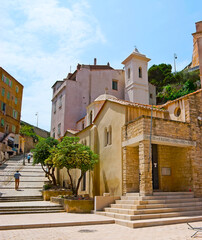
[39, 41]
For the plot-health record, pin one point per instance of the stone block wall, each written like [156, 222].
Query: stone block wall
[130, 169]
[178, 160]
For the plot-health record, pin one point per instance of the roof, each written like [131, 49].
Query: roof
[137, 55]
[59, 81]
[72, 131]
[104, 97]
[11, 76]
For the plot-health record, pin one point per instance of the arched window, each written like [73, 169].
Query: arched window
[140, 72]
[91, 117]
[128, 72]
[105, 137]
[110, 135]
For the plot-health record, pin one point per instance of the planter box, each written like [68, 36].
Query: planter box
[78, 206]
[47, 194]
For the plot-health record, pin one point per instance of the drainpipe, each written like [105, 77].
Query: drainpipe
[150, 138]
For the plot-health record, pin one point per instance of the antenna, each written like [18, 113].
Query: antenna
[37, 118]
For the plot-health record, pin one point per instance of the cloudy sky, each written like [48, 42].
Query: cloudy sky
[41, 39]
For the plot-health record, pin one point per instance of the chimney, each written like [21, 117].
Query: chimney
[78, 66]
[108, 64]
[95, 61]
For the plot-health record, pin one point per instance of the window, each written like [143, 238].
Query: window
[177, 112]
[150, 95]
[91, 117]
[60, 101]
[54, 107]
[115, 85]
[59, 129]
[15, 114]
[83, 186]
[8, 95]
[16, 100]
[108, 136]
[3, 107]
[53, 133]
[83, 126]
[140, 72]
[13, 128]
[2, 122]
[17, 89]
[3, 91]
[10, 83]
[128, 72]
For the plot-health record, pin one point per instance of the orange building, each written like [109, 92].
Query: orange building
[10, 106]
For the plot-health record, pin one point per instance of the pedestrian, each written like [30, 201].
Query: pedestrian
[28, 158]
[17, 179]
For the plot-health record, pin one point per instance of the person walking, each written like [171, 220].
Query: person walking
[28, 158]
[17, 179]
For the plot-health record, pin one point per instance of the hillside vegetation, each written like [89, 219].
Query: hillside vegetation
[170, 85]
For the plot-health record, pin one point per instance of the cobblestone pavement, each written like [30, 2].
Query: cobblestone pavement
[104, 232]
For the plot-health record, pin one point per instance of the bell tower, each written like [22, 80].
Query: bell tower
[136, 78]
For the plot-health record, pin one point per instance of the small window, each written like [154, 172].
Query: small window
[177, 112]
[15, 114]
[3, 107]
[13, 128]
[17, 89]
[8, 95]
[54, 107]
[60, 101]
[128, 73]
[10, 83]
[59, 129]
[150, 95]
[114, 85]
[83, 126]
[91, 117]
[83, 186]
[16, 100]
[2, 122]
[140, 72]
[110, 135]
[3, 92]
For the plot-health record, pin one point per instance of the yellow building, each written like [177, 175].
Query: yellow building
[10, 100]
[140, 153]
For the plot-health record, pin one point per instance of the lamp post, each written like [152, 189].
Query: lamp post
[175, 57]
[37, 118]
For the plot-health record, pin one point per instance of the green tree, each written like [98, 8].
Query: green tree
[72, 155]
[41, 152]
[26, 130]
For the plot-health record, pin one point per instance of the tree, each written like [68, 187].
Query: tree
[72, 155]
[41, 152]
[27, 130]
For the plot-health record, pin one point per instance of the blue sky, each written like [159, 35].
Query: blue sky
[41, 39]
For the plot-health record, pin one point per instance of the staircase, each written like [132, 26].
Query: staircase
[28, 199]
[159, 209]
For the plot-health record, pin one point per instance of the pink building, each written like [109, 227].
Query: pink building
[72, 95]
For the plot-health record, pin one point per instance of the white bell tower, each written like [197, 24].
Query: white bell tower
[136, 78]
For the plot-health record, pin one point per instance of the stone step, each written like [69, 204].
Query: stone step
[150, 211]
[164, 201]
[158, 222]
[163, 197]
[171, 193]
[150, 216]
[152, 206]
[21, 199]
[32, 212]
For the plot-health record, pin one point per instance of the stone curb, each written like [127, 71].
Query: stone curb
[61, 224]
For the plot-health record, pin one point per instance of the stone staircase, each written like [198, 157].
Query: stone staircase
[159, 209]
[28, 199]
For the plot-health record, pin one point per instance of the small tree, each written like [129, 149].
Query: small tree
[41, 152]
[72, 155]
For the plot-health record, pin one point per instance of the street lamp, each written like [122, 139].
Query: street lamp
[175, 57]
[37, 118]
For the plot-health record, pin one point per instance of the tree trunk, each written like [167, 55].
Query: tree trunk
[78, 183]
[53, 176]
[71, 183]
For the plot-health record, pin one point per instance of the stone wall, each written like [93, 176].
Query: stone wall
[179, 162]
[130, 169]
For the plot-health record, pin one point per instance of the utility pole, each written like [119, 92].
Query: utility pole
[175, 57]
[37, 118]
